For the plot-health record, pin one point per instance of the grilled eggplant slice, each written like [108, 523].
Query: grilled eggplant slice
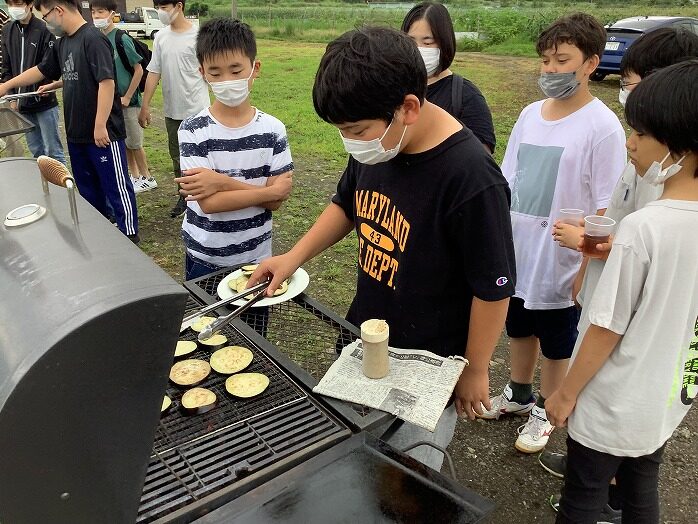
[166, 403]
[214, 342]
[184, 347]
[189, 372]
[201, 324]
[196, 401]
[246, 385]
[231, 359]
[281, 289]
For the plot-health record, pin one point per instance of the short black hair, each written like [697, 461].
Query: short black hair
[657, 49]
[436, 15]
[366, 73]
[225, 35]
[158, 3]
[71, 5]
[580, 30]
[109, 5]
[665, 106]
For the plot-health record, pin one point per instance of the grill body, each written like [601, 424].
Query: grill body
[87, 329]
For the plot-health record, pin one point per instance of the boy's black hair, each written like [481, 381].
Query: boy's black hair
[71, 5]
[25, 2]
[158, 3]
[109, 5]
[366, 73]
[657, 49]
[436, 15]
[580, 30]
[665, 106]
[225, 35]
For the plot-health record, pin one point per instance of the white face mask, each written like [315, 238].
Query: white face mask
[17, 13]
[166, 18]
[102, 23]
[431, 57]
[656, 176]
[372, 151]
[232, 92]
[623, 96]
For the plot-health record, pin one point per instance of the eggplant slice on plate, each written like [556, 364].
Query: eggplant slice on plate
[201, 324]
[231, 359]
[189, 372]
[184, 347]
[196, 401]
[246, 385]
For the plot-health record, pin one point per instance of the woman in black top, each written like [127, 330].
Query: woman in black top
[430, 26]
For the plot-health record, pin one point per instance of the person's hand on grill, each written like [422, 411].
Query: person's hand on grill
[277, 269]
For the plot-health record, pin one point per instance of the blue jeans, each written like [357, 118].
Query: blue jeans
[44, 138]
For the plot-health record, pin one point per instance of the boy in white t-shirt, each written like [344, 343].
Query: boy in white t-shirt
[640, 330]
[564, 152]
[184, 91]
[236, 158]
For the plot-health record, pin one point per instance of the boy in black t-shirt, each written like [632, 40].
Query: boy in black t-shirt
[83, 58]
[431, 211]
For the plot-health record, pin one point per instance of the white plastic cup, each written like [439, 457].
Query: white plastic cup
[597, 230]
[374, 339]
[571, 216]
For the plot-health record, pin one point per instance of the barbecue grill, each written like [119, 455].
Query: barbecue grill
[88, 326]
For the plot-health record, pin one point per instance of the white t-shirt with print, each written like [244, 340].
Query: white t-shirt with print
[184, 91]
[648, 292]
[573, 162]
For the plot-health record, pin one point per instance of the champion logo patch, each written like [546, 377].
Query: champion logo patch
[501, 281]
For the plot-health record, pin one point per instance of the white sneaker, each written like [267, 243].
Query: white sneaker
[503, 405]
[137, 185]
[148, 183]
[534, 434]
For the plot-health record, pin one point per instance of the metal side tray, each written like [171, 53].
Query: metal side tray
[359, 480]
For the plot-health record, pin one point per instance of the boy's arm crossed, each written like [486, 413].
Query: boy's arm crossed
[259, 196]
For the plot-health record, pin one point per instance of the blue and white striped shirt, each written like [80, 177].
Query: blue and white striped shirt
[251, 153]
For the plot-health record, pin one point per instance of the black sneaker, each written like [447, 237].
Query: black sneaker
[608, 514]
[553, 463]
[179, 208]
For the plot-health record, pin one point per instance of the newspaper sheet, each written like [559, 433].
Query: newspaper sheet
[416, 389]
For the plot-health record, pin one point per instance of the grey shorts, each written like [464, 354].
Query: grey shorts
[134, 132]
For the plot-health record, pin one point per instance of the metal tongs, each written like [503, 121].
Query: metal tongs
[259, 291]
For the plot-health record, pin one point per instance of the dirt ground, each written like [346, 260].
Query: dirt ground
[484, 453]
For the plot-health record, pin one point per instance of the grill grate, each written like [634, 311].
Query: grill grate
[195, 456]
[176, 428]
[13, 123]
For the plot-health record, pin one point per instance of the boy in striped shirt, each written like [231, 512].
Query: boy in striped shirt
[235, 158]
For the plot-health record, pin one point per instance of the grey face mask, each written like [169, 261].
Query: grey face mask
[56, 30]
[559, 85]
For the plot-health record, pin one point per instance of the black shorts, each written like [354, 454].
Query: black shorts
[556, 329]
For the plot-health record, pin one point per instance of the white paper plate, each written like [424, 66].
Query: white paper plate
[296, 285]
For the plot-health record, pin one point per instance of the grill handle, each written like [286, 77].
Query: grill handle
[53, 171]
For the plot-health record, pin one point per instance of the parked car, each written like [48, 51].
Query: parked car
[143, 22]
[621, 35]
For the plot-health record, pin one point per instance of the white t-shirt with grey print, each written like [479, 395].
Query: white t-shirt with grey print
[573, 162]
[251, 154]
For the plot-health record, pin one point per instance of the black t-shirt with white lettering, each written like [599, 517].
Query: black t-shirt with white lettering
[474, 111]
[434, 231]
[83, 60]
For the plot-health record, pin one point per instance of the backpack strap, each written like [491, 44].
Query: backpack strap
[457, 95]
[121, 50]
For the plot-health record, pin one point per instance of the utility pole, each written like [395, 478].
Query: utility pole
[234, 9]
